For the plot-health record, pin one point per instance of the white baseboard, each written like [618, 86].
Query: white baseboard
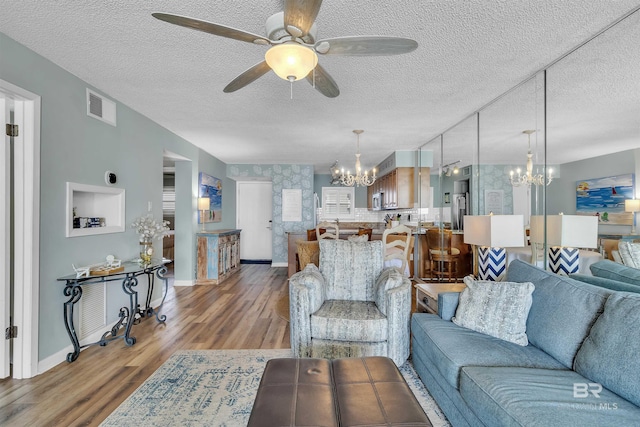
[184, 282]
[279, 264]
[61, 356]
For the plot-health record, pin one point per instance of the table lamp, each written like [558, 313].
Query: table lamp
[633, 206]
[204, 204]
[566, 234]
[491, 234]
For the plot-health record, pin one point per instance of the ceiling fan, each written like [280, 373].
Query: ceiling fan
[294, 48]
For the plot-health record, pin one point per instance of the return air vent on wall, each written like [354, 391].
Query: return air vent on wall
[101, 108]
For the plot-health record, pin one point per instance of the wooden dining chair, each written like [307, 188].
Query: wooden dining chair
[398, 242]
[443, 258]
[331, 230]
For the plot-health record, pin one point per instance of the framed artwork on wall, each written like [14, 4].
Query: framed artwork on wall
[211, 187]
[604, 198]
[493, 202]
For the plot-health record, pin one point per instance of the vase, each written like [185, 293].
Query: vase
[146, 251]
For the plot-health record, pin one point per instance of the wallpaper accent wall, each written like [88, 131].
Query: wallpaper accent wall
[282, 177]
[496, 177]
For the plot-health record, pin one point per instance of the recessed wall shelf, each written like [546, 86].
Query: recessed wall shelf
[91, 201]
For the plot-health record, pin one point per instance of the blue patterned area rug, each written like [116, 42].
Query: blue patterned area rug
[217, 388]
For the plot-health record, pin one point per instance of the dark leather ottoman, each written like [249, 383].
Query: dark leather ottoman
[368, 391]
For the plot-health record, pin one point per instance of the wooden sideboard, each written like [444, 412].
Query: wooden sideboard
[218, 256]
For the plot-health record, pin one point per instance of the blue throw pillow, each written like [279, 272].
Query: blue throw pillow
[499, 309]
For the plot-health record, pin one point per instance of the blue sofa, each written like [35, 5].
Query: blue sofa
[612, 275]
[581, 366]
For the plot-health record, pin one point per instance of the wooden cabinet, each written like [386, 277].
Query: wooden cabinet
[218, 256]
[398, 187]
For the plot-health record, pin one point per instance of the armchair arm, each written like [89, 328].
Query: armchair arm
[306, 295]
[398, 301]
[447, 304]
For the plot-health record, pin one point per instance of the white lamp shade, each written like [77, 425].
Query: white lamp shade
[574, 231]
[632, 205]
[204, 203]
[291, 60]
[496, 231]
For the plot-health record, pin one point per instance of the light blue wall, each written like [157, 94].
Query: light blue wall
[78, 148]
[282, 177]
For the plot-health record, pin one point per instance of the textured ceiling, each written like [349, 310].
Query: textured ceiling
[470, 52]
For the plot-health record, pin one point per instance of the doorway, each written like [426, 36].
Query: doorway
[254, 204]
[19, 230]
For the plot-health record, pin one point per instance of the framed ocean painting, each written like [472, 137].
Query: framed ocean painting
[211, 187]
[604, 197]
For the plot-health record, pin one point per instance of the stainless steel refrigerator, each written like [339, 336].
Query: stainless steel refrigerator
[459, 208]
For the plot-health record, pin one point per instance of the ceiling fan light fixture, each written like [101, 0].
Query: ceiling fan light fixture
[291, 61]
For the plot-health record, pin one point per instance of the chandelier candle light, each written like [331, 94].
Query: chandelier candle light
[359, 179]
[529, 178]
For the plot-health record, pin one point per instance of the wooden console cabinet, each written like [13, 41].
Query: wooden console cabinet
[218, 256]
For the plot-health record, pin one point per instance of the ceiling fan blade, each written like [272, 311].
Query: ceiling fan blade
[324, 83]
[211, 28]
[365, 46]
[247, 77]
[299, 16]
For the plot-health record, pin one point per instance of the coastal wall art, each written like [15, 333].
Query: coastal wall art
[211, 187]
[604, 197]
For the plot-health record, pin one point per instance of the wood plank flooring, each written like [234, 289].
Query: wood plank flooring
[237, 314]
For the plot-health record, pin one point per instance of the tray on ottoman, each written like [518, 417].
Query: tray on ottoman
[367, 391]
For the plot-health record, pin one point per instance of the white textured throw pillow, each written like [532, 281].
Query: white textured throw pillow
[358, 239]
[499, 309]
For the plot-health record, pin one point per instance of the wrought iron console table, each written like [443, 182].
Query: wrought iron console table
[128, 315]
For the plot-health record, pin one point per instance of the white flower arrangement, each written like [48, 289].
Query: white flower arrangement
[148, 228]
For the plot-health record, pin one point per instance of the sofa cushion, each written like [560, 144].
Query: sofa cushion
[499, 309]
[630, 253]
[449, 347]
[614, 285]
[616, 271]
[349, 321]
[512, 396]
[562, 312]
[609, 355]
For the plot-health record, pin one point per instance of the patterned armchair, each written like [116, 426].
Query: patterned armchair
[350, 306]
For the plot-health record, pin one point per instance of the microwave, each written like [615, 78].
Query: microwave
[376, 201]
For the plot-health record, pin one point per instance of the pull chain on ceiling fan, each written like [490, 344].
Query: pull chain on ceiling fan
[294, 50]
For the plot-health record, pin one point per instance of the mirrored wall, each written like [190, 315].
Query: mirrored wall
[576, 124]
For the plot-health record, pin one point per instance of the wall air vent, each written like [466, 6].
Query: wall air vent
[101, 108]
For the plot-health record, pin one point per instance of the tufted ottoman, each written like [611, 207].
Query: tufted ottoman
[368, 391]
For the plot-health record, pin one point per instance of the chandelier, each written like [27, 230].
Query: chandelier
[517, 179]
[359, 179]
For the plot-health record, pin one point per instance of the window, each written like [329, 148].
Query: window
[338, 203]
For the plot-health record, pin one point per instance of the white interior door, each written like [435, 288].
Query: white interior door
[5, 250]
[254, 205]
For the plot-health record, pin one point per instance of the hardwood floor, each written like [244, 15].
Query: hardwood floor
[237, 314]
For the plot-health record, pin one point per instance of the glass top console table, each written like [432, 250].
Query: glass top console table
[128, 277]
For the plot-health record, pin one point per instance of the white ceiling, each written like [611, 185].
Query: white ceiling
[470, 52]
